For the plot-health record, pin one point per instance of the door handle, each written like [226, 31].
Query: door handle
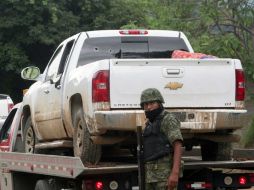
[173, 72]
[46, 91]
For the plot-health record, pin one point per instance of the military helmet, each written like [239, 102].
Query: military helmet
[151, 95]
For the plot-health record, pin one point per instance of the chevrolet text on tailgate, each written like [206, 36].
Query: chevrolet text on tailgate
[87, 99]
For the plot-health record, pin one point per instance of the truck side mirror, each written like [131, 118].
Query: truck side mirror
[30, 73]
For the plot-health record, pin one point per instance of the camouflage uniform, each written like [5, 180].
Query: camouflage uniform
[158, 171]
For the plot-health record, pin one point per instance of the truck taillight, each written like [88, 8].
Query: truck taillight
[93, 185]
[133, 32]
[100, 86]
[240, 85]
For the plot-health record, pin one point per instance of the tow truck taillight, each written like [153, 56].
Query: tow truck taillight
[93, 185]
[242, 180]
[251, 175]
[88, 185]
[133, 32]
[240, 85]
[199, 185]
[98, 185]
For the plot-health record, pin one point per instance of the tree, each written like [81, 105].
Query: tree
[30, 30]
[222, 28]
[233, 29]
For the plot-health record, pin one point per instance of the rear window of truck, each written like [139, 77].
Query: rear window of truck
[95, 49]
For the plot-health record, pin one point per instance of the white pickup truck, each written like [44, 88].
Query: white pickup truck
[88, 97]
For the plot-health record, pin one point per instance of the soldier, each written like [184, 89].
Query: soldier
[162, 143]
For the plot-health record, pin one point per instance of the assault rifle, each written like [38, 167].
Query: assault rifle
[140, 155]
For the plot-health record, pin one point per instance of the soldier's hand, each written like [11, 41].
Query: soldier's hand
[172, 181]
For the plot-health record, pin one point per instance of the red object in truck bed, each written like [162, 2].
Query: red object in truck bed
[179, 54]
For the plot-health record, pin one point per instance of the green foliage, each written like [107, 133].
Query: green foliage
[218, 27]
[31, 29]
[12, 58]
[36, 26]
[111, 14]
[248, 140]
[171, 14]
[130, 25]
[25, 24]
[30, 23]
[234, 23]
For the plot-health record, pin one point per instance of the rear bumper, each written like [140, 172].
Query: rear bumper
[192, 120]
[122, 120]
[196, 121]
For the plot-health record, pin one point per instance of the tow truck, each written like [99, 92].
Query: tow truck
[23, 171]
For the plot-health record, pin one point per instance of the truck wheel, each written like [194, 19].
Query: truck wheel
[42, 184]
[225, 151]
[216, 151]
[29, 137]
[49, 184]
[82, 144]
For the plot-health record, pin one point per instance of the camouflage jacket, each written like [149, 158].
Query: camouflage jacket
[159, 170]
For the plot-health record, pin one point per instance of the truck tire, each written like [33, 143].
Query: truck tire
[50, 184]
[216, 151]
[29, 137]
[82, 144]
[225, 151]
[42, 184]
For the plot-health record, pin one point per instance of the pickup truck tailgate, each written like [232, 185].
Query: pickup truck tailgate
[184, 83]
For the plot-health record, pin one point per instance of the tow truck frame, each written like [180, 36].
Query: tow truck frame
[23, 171]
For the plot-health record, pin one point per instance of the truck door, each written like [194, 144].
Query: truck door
[48, 115]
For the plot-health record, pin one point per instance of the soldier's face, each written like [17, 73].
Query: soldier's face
[149, 106]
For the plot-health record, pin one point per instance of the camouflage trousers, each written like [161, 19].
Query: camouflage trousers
[157, 186]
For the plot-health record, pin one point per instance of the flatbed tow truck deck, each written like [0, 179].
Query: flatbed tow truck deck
[24, 171]
[237, 173]
[37, 166]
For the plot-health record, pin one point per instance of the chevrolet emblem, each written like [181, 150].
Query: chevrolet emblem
[174, 85]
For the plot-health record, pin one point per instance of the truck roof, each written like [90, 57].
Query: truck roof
[108, 33]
